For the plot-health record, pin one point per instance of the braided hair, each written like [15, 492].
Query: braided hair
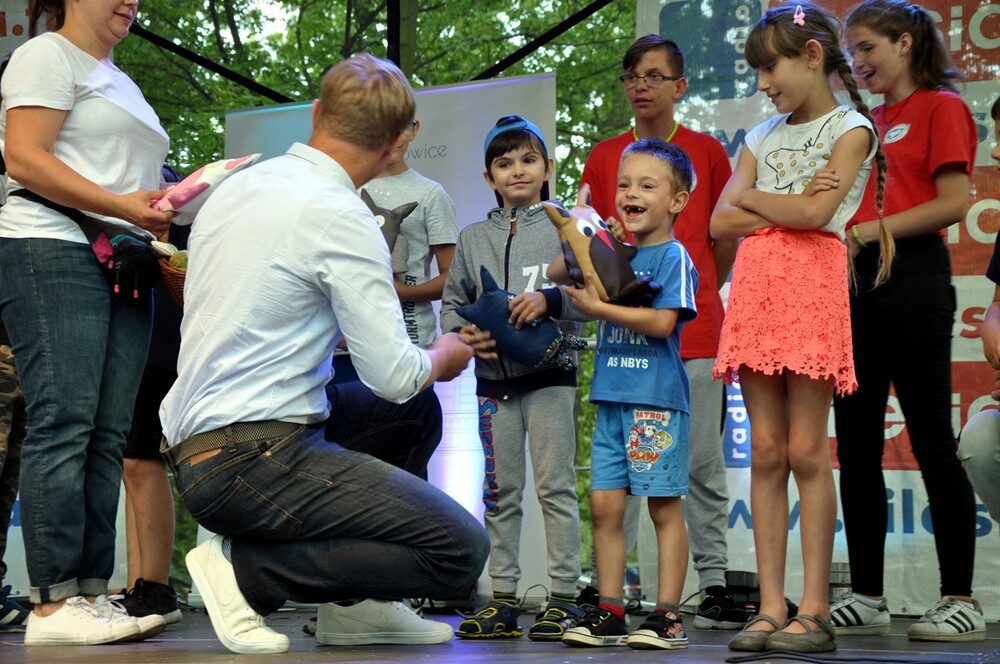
[778, 33]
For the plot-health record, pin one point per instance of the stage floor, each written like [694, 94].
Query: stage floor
[192, 640]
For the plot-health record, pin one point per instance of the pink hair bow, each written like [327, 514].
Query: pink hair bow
[800, 16]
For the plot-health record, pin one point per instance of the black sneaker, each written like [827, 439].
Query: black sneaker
[599, 627]
[661, 630]
[589, 598]
[149, 598]
[720, 611]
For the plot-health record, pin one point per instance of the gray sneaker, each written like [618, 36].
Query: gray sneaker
[373, 621]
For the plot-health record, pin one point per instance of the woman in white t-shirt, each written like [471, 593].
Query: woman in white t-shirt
[75, 130]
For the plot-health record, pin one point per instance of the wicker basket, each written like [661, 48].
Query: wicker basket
[173, 279]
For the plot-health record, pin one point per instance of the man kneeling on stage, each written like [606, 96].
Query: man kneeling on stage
[285, 258]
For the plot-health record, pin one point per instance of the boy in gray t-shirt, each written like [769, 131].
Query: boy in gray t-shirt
[430, 231]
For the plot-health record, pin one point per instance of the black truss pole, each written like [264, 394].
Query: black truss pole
[225, 72]
[393, 12]
[543, 39]
[393, 17]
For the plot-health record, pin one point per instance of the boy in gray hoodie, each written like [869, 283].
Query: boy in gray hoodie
[516, 243]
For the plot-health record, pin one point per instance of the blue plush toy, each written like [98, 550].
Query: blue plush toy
[541, 342]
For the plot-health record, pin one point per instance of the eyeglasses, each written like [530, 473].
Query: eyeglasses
[652, 80]
[410, 128]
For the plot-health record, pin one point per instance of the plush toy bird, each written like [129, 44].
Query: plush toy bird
[389, 222]
[541, 342]
[589, 246]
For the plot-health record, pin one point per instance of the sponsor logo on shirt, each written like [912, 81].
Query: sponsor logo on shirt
[896, 134]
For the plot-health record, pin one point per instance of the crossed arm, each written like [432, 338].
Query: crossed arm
[743, 210]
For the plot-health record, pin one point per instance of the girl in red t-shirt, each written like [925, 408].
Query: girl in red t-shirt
[902, 328]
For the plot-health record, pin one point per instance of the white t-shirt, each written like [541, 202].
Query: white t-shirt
[789, 155]
[110, 136]
[432, 222]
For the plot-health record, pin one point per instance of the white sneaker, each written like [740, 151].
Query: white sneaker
[377, 621]
[77, 623]
[112, 610]
[849, 615]
[950, 620]
[238, 626]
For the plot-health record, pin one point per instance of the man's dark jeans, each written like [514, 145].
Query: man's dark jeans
[313, 521]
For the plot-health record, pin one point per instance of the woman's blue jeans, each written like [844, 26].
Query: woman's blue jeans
[80, 353]
[313, 521]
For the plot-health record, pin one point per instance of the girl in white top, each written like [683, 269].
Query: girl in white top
[787, 332]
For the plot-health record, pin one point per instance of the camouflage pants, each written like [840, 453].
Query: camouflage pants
[13, 418]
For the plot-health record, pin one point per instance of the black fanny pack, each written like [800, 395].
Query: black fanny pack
[128, 260]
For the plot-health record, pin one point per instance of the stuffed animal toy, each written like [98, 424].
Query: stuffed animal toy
[537, 344]
[187, 197]
[589, 246]
[389, 222]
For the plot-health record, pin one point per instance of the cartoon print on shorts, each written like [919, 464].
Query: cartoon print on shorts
[647, 438]
[663, 440]
[648, 433]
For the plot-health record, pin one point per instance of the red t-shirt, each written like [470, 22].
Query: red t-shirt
[927, 130]
[700, 337]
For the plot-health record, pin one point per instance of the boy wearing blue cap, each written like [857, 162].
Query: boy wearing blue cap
[516, 243]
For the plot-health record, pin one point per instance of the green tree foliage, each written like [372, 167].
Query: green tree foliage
[286, 45]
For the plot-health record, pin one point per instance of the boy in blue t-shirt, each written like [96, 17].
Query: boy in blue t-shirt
[640, 442]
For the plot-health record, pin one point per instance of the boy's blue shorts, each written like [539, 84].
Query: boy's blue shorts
[640, 448]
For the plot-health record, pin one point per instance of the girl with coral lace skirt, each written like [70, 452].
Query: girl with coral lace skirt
[787, 332]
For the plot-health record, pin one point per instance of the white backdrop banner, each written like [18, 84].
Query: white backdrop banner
[454, 120]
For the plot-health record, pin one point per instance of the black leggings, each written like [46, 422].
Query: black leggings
[902, 335]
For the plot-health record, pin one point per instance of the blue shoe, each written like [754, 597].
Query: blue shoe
[496, 620]
[13, 616]
[552, 623]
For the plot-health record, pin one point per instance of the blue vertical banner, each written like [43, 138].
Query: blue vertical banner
[712, 37]
[736, 429]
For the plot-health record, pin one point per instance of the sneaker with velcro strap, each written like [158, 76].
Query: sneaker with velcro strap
[552, 623]
[662, 630]
[496, 620]
[599, 628]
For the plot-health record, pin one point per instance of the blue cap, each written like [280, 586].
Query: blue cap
[521, 123]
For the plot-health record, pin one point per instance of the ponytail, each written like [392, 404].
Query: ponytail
[887, 245]
[930, 65]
